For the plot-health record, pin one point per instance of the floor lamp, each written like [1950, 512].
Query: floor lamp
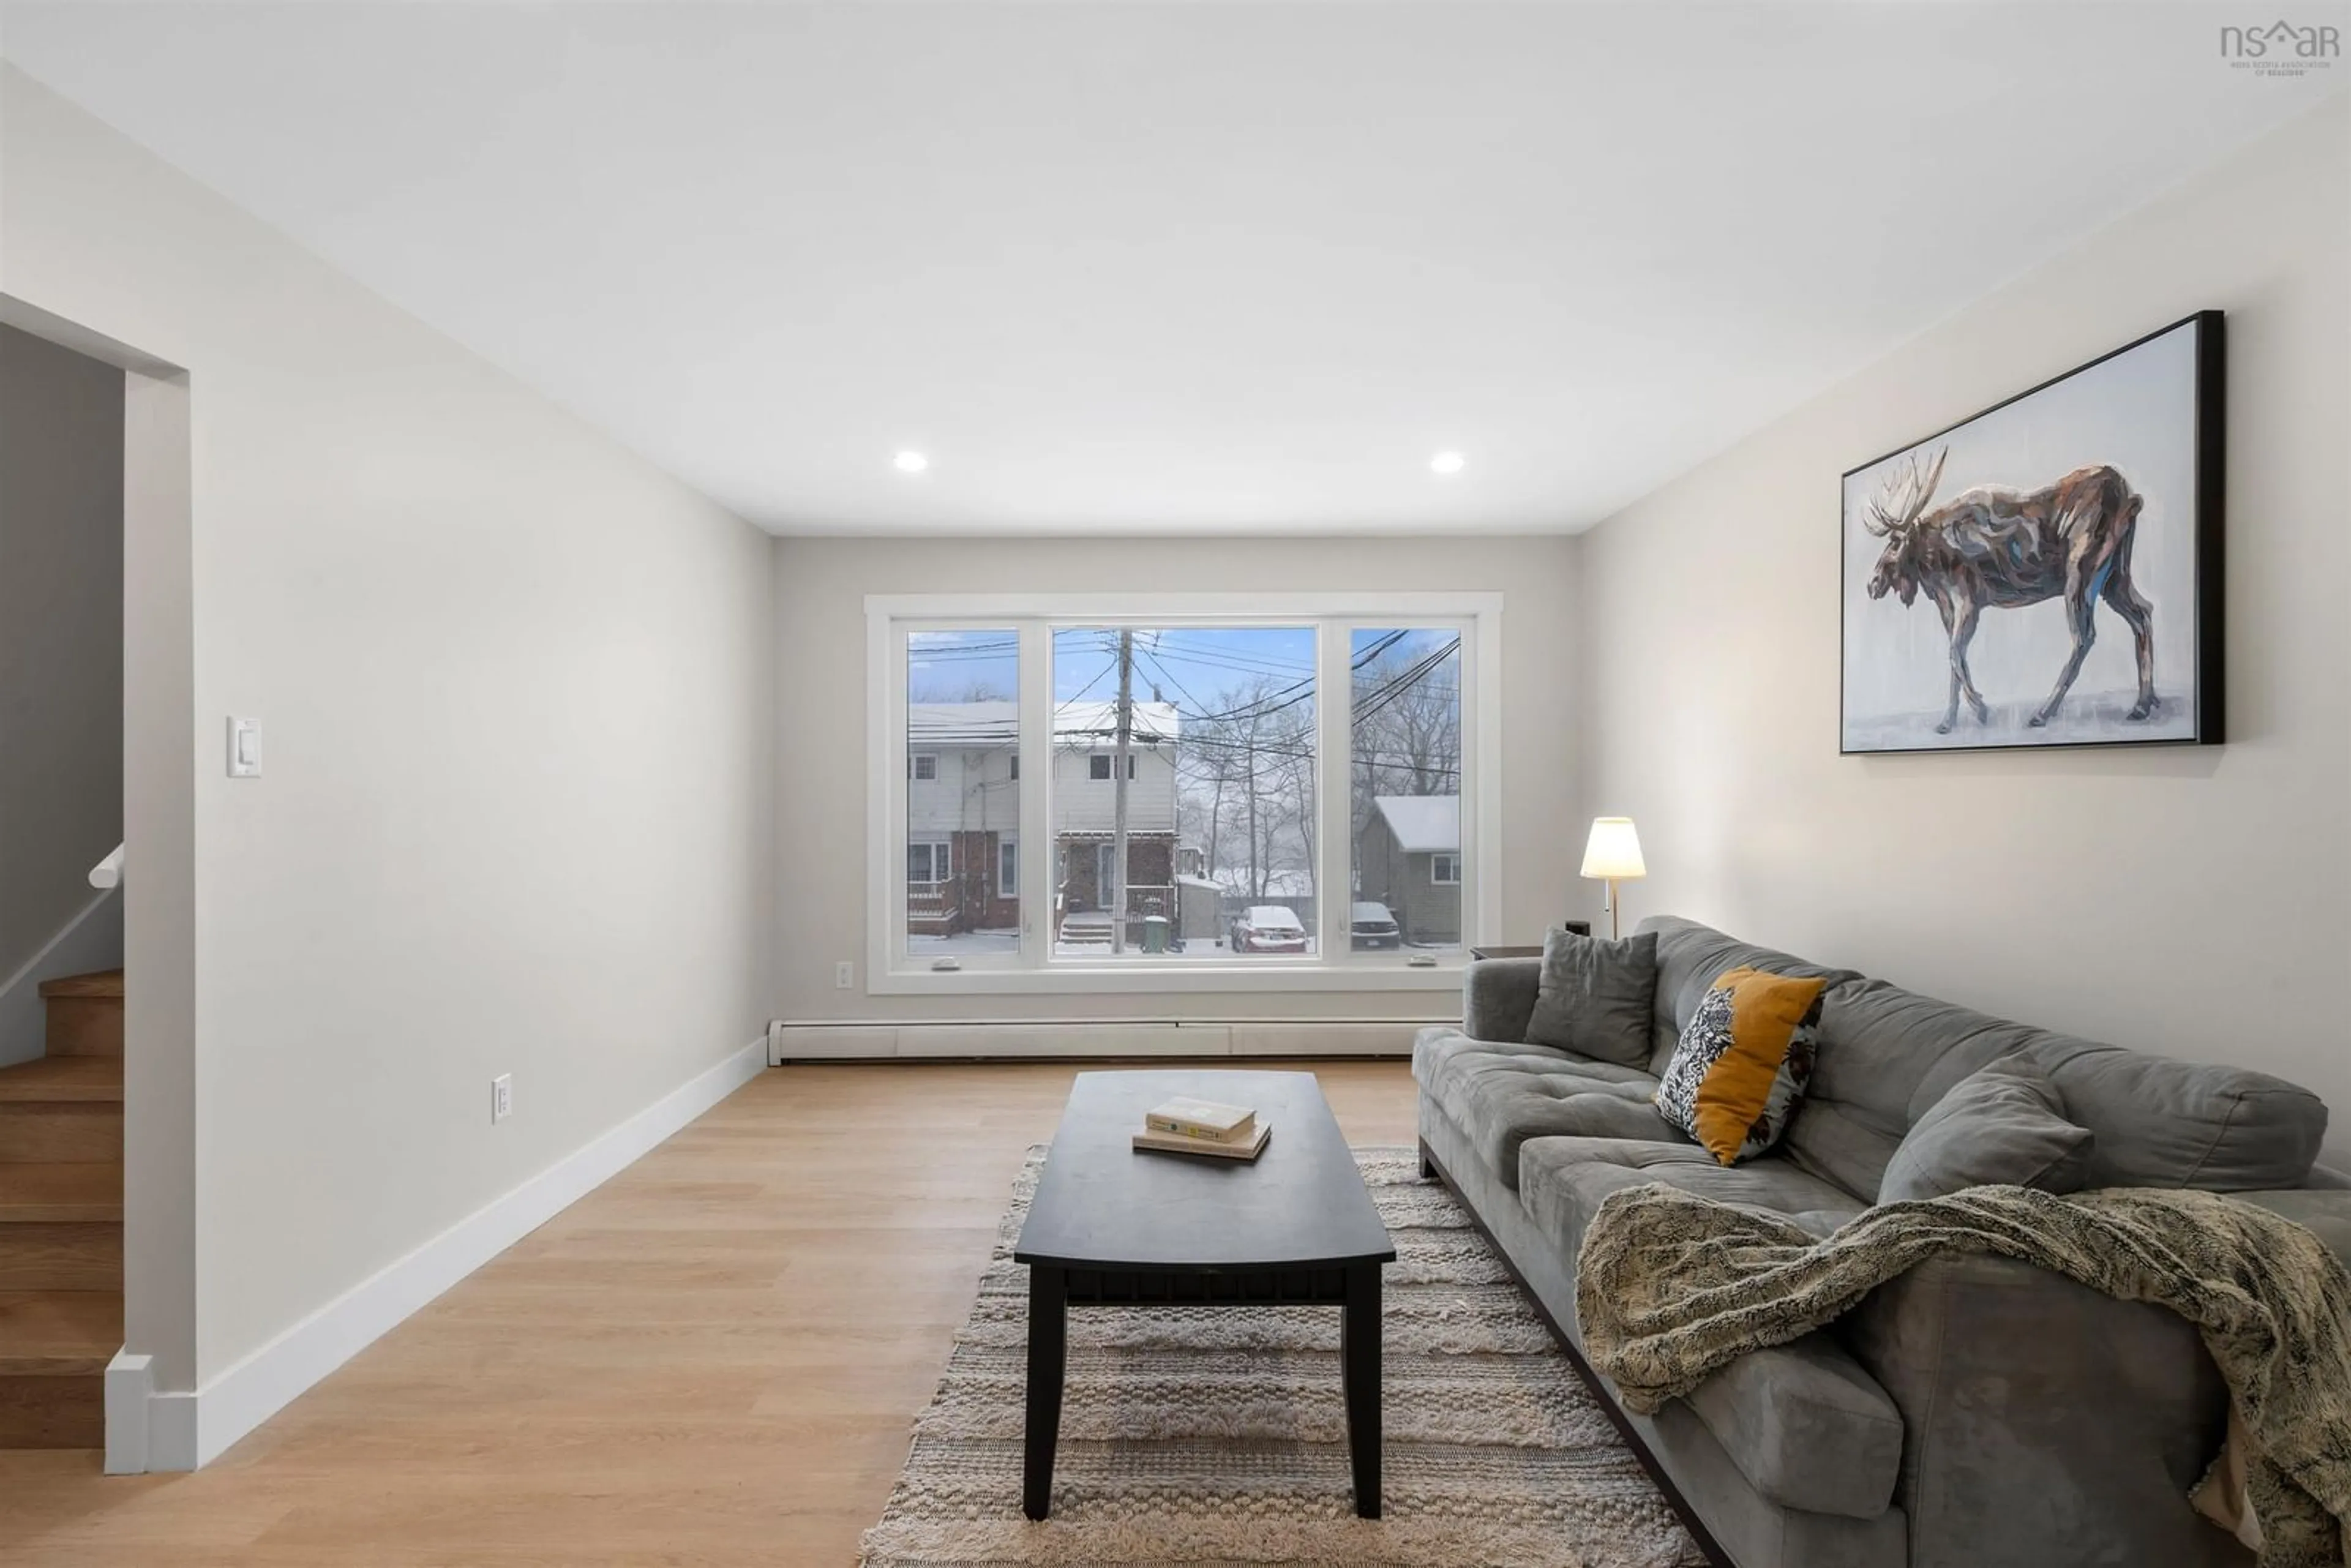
[1613, 853]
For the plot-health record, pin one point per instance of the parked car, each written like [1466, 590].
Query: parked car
[1371, 927]
[1270, 928]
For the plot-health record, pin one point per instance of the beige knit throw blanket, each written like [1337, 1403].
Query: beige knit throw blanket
[1670, 1286]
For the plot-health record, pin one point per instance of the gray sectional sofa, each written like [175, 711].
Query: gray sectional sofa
[1976, 1413]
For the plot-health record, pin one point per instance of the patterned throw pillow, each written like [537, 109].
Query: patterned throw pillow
[1743, 1062]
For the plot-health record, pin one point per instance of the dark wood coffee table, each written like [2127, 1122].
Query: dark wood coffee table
[1113, 1227]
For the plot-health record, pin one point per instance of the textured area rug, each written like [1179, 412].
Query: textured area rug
[1218, 1435]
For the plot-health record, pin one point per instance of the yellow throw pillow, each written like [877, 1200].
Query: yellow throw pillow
[1743, 1062]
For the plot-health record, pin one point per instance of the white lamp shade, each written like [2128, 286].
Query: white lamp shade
[1614, 849]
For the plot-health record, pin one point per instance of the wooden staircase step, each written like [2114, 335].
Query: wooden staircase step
[61, 1255]
[83, 1025]
[58, 1333]
[97, 983]
[45, 1411]
[51, 1079]
[88, 1192]
[62, 1110]
[60, 1131]
[85, 1014]
[62, 1220]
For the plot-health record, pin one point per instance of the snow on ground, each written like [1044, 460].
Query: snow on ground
[1192, 952]
[963, 942]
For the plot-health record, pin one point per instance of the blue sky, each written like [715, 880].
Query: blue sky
[1197, 668]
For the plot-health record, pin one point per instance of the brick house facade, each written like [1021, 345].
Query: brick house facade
[962, 791]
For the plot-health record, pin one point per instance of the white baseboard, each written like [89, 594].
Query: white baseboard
[92, 940]
[790, 1040]
[184, 1431]
[129, 1392]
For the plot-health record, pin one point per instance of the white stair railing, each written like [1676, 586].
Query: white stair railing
[108, 872]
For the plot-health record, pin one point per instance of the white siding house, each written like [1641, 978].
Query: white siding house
[963, 811]
[960, 765]
[1085, 795]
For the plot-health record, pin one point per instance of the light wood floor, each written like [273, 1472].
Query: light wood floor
[712, 1359]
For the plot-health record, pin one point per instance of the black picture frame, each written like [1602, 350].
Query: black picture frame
[2004, 544]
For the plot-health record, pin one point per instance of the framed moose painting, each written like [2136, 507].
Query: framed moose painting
[2048, 571]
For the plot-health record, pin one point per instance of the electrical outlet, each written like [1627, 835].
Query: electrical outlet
[501, 1097]
[844, 975]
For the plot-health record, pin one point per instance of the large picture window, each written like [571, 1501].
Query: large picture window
[1228, 791]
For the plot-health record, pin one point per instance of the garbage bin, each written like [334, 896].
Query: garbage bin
[1155, 933]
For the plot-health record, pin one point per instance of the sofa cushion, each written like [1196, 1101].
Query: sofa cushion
[1690, 959]
[2004, 1125]
[1441, 1053]
[1563, 1179]
[1594, 996]
[1502, 1094]
[1880, 1047]
[1744, 1060]
[1888, 1056]
[1804, 1424]
[2164, 1123]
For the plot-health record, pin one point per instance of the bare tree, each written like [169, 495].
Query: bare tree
[1407, 727]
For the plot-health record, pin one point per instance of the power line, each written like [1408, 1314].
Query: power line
[1181, 690]
[1396, 688]
[1276, 701]
[1191, 651]
[1100, 676]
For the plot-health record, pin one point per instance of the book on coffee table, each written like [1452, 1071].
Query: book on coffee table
[1247, 1148]
[1203, 1119]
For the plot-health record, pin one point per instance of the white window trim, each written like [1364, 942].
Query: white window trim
[1035, 617]
[1437, 881]
[914, 761]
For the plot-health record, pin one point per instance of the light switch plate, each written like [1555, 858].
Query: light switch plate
[501, 1097]
[243, 747]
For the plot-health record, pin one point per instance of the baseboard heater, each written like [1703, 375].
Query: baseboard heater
[1012, 1040]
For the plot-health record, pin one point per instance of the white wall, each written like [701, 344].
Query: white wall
[61, 646]
[2192, 901]
[517, 687]
[820, 589]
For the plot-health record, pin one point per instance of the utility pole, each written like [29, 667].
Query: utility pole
[1118, 766]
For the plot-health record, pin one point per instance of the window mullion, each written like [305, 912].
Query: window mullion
[1479, 782]
[1334, 876]
[1036, 846]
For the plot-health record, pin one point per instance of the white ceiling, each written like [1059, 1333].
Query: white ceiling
[1201, 267]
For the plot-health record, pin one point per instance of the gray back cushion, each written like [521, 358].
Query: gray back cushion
[1594, 996]
[1690, 958]
[2002, 1125]
[2162, 1122]
[1886, 1055]
[2156, 1121]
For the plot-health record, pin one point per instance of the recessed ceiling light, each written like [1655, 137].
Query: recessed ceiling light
[1445, 463]
[910, 462]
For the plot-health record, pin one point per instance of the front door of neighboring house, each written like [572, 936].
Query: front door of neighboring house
[1105, 864]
